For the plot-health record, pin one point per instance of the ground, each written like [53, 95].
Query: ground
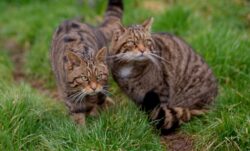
[32, 116]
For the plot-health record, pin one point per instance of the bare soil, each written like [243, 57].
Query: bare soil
[177, 142]
[17, 57]
[17, 53]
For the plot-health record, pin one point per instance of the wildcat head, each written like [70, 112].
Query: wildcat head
[133, 43]
[86, 76]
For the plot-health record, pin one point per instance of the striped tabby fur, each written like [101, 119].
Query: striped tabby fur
[78, 58]
[162, 74]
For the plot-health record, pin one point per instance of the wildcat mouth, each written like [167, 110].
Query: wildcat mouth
[92, 94]
[141, 57]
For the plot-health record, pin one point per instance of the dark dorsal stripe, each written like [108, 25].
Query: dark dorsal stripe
[75, 25]
[69, 39]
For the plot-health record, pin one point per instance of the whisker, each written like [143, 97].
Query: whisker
[74, 95]
[81, 97]
[156, 56]
[128, 58]
[155, 62]
[77, 98]
[122, 58]
[117, 55]
[106, 92]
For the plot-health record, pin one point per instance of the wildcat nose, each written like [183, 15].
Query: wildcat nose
[93, 86]
[142, 51]
[141, 48]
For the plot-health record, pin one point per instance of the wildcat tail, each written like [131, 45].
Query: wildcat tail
[112, 18]
[170, 118]
[114, 10]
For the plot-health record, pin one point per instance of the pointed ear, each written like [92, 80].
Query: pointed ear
[72, 59]
[118, 30]
[147, 24]
[119, 27]
[101, 54]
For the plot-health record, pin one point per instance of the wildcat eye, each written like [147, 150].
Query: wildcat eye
[84, 78]
[130, 43]
[99, 77]
[148, 42]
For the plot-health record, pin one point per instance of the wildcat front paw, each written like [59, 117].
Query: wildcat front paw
[94, 112]
[78, 118]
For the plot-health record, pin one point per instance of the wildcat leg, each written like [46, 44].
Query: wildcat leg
[76, 112]
[94, 111]
[104, 105]
[79, 118]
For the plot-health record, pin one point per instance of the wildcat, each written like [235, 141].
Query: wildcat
[78, 58]
[162, 74]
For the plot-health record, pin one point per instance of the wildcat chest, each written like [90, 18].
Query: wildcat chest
[125, 71]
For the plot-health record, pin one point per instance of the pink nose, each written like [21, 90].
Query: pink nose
[141, 48]
[93, 86]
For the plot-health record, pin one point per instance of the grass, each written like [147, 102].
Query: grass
[28, 124]
[29, 120]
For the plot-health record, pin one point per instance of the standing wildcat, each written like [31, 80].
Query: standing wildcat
[78, 58]
[162, 74]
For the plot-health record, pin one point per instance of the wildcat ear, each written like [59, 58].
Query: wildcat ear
[72, 59]
[119, 27]
[147, 24]
[101, 54]
[118, 30]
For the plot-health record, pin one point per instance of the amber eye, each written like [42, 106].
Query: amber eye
[130, 43]
[84, 78]
[99, 77]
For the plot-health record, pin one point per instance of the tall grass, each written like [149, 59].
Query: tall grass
[30, 121]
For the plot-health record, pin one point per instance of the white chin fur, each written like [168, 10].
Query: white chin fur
[92, 94]
[141, 58]
[125, 71]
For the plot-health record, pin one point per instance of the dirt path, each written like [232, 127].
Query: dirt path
[17, 53]
[17, 57]
[178, 142]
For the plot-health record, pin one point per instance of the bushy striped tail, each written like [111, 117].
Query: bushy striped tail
[168, 118]
[114, 11]
[112, 19]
